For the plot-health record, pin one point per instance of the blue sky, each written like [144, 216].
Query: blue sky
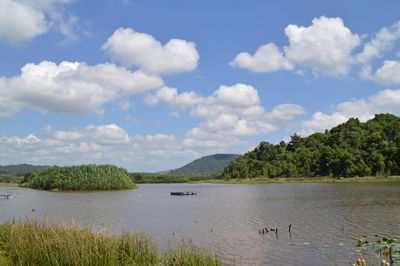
[151, 85]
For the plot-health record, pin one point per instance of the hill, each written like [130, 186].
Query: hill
[19, 169]
[205, 166]
[350, 149]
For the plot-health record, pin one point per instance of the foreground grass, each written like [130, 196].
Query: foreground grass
[369, 179]
[31, 242]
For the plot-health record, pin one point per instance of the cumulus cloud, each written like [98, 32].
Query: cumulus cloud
[325, 46]
[239, 95]
[286, 112]
[100, 134]
[228, 114]
[132, 48]
[171, 96]
[382, 42]
[71, 87]
[386, 101]
[19, 22]
[388, 73]
[23, 20]
[267, 58]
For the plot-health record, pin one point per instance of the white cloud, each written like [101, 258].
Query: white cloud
[108, 134]
[19, 22]
[100, 134]
[285, 112]
[388, 73]
[325, 46]
[129, 48]
[267, 58]
[239, 95]
[386, 101]
[171, 96]
[231, 112]
[382, 42]
[71, 87]
[23, 20]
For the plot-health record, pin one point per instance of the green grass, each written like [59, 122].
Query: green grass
[370, 179]
[31, 242]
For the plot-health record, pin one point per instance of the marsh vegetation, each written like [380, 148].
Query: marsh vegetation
[83, 177]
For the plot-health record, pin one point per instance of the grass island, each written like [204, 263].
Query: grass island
[81, 178]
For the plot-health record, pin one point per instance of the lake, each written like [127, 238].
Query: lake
[327, 219]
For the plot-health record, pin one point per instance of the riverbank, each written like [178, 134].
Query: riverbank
[32, 242]
[370, 179]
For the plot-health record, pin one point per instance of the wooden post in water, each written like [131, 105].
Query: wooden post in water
[390, 256]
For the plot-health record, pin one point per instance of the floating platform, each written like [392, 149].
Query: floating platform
[183, 193]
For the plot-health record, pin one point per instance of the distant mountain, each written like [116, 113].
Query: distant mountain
[19, 169]
[207, 165]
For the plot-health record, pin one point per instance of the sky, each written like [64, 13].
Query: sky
[150, 85]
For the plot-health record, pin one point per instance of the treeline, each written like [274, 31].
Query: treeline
[348, 150]
[83, 177]
[166, 178]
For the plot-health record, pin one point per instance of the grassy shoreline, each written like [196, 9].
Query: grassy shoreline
[294, 180]
[33, 242]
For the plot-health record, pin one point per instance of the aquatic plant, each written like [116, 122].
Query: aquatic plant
[386, 249]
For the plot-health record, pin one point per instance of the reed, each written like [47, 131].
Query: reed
[33, 242]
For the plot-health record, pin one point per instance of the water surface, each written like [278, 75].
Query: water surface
[326, 219]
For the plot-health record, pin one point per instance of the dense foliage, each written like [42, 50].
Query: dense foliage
[165, 178]
[348, 150]
[83, 177]
[205, 166]
[19, 169]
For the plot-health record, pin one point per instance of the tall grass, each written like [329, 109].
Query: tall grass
[31, 242]
[82, 177]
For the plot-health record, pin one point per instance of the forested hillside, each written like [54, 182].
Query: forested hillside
[348, 150]
[205, 166]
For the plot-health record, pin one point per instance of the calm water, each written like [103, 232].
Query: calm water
[226, 218]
